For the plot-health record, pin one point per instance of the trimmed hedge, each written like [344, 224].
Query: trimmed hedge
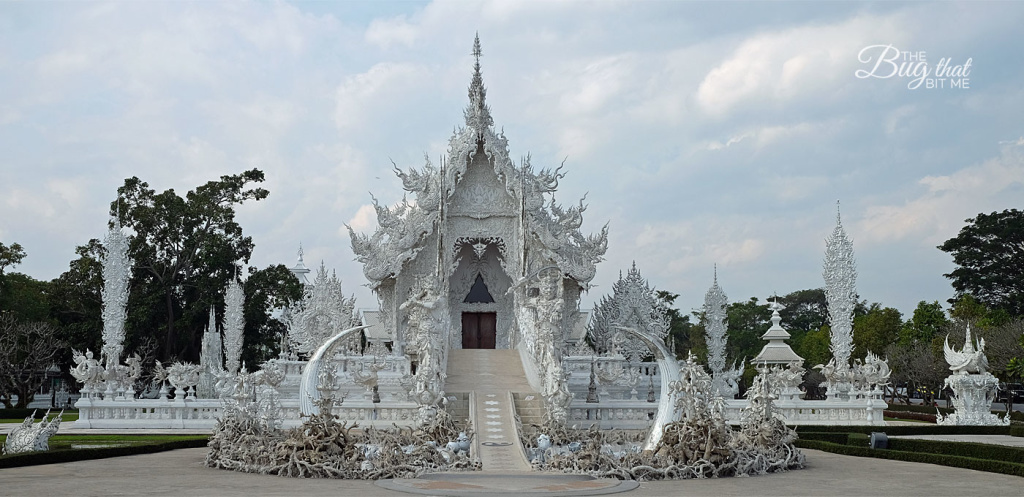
[837, 438]
[911, 415]
[965, 449]
[919, 408]
[70, 455]
[1017, 430]
[922, 429]
[989, 465]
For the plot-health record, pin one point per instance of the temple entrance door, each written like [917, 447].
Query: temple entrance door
[479, 330]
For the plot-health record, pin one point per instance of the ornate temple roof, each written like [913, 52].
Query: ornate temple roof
[403, 227]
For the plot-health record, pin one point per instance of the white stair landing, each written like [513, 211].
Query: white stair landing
[490, 377]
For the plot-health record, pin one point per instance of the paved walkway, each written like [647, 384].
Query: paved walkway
[181, 472]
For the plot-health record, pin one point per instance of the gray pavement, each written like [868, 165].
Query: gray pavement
[181, 472]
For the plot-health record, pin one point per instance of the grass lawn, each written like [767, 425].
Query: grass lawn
[67, 417]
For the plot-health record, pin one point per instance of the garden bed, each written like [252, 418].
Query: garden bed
[976, 456]
[68, 448]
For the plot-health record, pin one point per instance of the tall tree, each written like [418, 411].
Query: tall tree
[989, 254]
[75, 300]
[747, 321]
[875, 330]
[27, 349]
[806, 310]
[10, 255]
[680, 328]
[266, 290]
[926, 322]
[185, 250]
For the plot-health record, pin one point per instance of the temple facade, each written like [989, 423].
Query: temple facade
[483, 250]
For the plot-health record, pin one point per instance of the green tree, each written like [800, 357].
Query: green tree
[75, 298]
[875, 330]
[747, 321]
[266, 290]
[680, 328]
[25, 298]
[813, 346]
[926, 322]
[10, 256]
[969, 309]
[806, 310]
[185, 249]
[989, 254]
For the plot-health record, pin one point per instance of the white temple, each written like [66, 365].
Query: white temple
[502, 264]
[481, 258]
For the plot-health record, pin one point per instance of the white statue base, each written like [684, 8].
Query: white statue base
[972, 400]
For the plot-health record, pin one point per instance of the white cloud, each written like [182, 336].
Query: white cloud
[795, 64]
[938, 213]
[374, 90]
[365, 220]
[395, 31]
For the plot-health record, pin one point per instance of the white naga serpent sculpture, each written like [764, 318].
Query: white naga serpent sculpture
[308, 391]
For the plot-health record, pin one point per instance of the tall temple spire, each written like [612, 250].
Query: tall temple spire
[477, 114]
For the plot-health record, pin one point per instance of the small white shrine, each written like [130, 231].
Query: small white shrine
[974, 388]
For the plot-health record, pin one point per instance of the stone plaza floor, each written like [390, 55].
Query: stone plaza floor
[181, 472]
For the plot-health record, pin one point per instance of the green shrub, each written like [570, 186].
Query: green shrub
[70, 455]
[919, 408]
[916, 416]
[965, 449]
[838, 438]
[921, 429]
[989, 465]
[1017, 430]
[858, 439]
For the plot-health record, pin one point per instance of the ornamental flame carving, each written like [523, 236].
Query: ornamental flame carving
[116, 273]
[323, 313]
[634, 305]
[840, 291]
[234, 325]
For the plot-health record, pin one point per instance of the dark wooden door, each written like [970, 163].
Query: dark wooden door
[479, 330]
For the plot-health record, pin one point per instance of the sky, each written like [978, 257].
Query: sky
[702, 133]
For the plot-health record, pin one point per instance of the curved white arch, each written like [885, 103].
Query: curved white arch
[308, 392]
[669, 368]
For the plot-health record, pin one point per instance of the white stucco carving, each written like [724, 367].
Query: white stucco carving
[117, 270]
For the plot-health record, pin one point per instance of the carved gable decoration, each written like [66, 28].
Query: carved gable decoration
[477, 181]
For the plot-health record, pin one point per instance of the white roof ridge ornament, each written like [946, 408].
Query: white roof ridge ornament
[477, 114]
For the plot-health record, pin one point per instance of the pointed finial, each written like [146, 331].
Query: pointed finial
[716, 273]
[477, 115]
[300, 251]
[838, 220]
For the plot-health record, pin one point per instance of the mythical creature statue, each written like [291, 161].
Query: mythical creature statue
[29, 437]
[968, 360]
[425, 310]
[87, 371]
[543, 344]
[184, 376]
